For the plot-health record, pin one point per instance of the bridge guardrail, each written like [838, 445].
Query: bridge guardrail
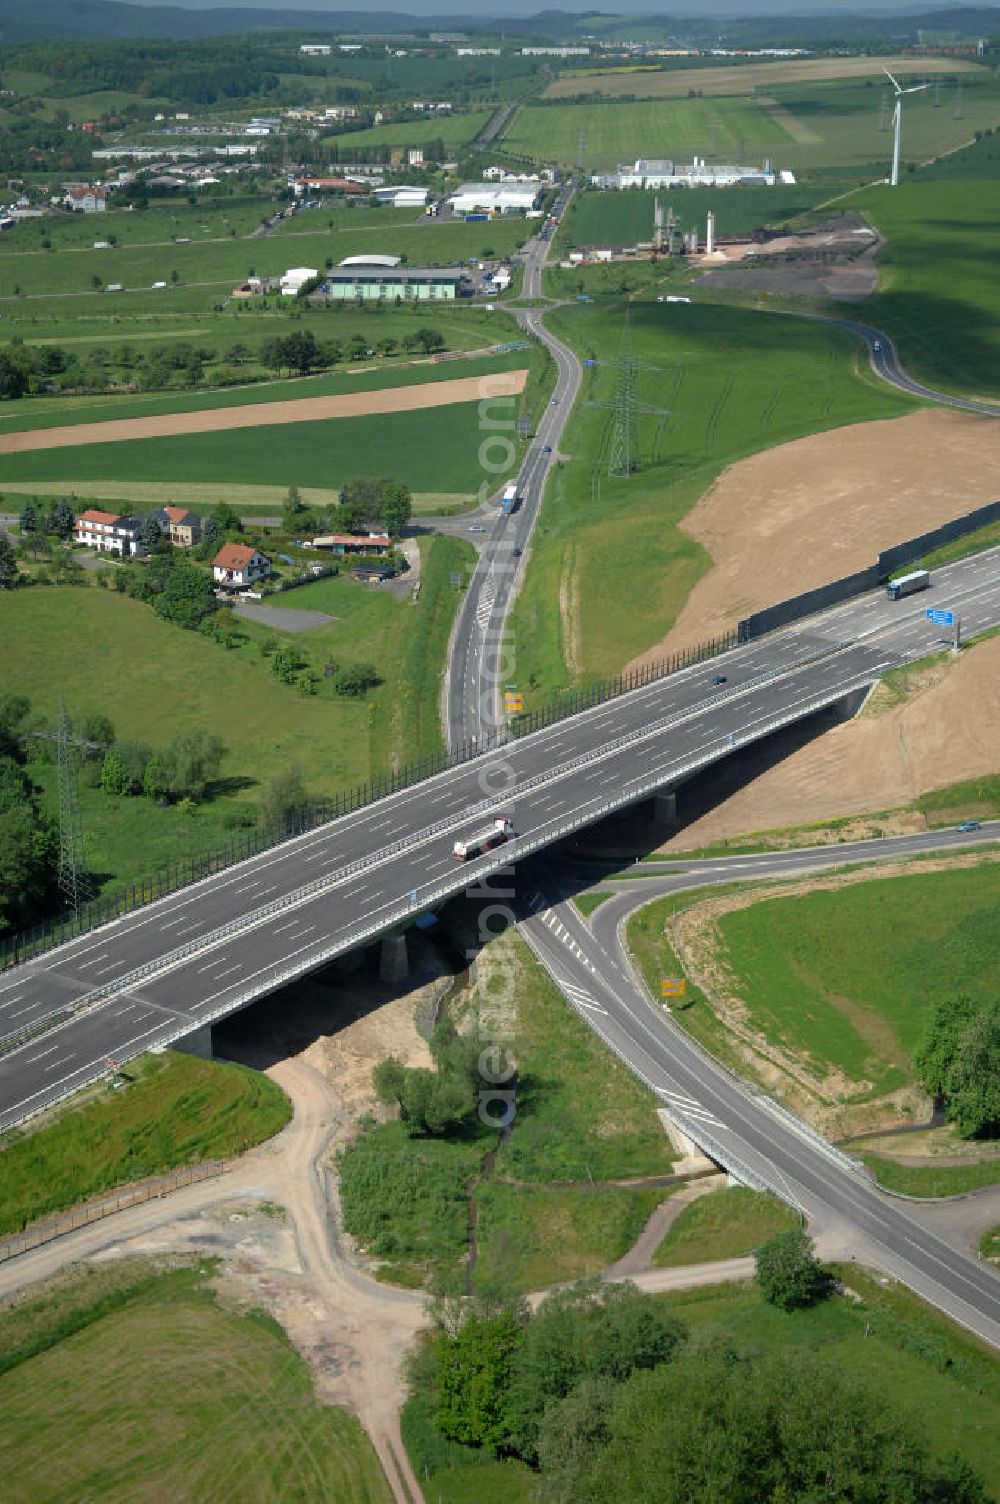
[471, 874]
[64, 1014]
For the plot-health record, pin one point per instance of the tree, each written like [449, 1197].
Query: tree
[972, 1089]
[189, 763]
[9, 575]
[354, 679]
[395, 507]
[61, 519]
[150, 532]
[473, 1375]
[787, 1274]
[959, 1063]
[187, 595]
[284, 798]
[430, 340]
[29, 519]
[114, 776]
[572, 1433]
[360, 503]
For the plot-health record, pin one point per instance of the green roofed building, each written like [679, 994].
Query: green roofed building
[374, 283]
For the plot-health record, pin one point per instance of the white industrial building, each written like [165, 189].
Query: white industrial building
[495, 198]
[402, 196]
[385, 262]
[663, 172]
[292, 283]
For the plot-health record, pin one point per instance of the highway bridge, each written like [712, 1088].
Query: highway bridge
[168, 969]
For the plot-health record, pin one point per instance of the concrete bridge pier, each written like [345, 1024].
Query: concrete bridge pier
[665, 807]
[394, 961]
[199, 1043]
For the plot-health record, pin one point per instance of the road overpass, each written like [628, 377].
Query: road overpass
[166, 970]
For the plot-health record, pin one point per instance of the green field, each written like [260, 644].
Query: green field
[938, 294]
[723, 1225]
[210, 265]
[455, 131]
[620, 547]
[728, 129]
[176, 1110]
[368, 375]
[917, 1360]
[172, 681]
[845, 979]
[620, 219]
[433, 450]
[132, 1383]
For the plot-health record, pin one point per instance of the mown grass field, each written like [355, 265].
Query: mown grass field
[605, 218]
[433, 450]
[611, 567]
[732, 129]
[130, 1383]
[176, 1110]
[368, 375]
[919, 1361]
[845, 979]
[938, 293]
[205, 267]
[725, 1224]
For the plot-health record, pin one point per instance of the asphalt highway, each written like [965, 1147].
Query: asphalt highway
[744, 1129]
[885, 363]
[477, 673]
[211, 947]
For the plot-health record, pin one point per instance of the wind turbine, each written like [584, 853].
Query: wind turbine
[897, 121]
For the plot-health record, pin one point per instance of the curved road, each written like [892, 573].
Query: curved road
[748, 1131]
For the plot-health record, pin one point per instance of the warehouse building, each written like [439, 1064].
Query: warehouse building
[367, 282]
[662, 172]
[402, 196]
[496, 198]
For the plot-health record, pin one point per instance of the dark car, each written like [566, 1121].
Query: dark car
[546, 448]
[719, 679]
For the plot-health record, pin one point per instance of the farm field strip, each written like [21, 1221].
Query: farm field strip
[264, 414]
[740, 78]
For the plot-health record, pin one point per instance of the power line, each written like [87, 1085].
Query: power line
[71, 878]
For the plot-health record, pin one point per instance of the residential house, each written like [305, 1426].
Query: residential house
[182, 527]
[353, 543]
[109, 534]
[237, 566]
[87, 200]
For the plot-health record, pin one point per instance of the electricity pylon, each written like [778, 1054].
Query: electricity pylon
[71, 879]
[623, 459]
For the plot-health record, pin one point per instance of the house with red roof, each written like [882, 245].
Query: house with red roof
[238, 566]
[109, 533]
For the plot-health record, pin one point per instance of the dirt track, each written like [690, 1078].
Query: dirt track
[394, 399]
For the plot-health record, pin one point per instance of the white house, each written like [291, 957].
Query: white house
[237, 566]
[109, 534]
[86, 199]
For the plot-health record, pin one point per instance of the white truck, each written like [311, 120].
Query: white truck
[493, 835]
[908, 584]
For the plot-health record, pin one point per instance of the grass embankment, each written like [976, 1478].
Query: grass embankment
[453, 130]
[544, 1211]
[132, 1382]
[611, 566]
[723, 1225]
[940, 1375]
[938, 294]
[170, 681]
[175, 1110]
[842, 981]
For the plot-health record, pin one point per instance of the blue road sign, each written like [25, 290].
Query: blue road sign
[588, 364]
[941, 618]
